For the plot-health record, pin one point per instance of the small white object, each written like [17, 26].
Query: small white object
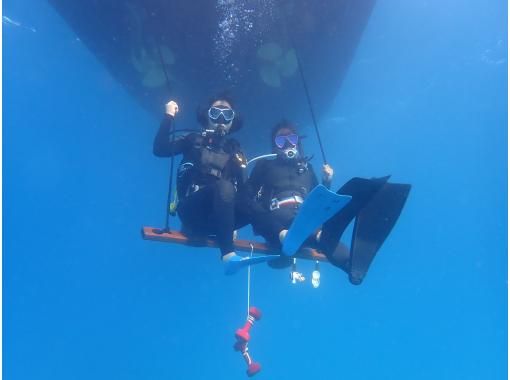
[296, 277]
[316, 279]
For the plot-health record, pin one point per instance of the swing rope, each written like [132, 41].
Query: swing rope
[308, 98]
[303, 79]
[168, 211]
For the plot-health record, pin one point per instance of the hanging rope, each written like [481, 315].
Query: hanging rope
[305, 86]
[303, 79]
[249, 278]
[168, 211]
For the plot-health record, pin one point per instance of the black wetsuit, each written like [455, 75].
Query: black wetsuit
[375, 206]
[208, 176]
[270, 181]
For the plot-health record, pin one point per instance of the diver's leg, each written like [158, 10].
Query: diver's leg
[222, 217]
[194, 211]
[274, 230]
[242, 215]
[373, 225]
[270, 225]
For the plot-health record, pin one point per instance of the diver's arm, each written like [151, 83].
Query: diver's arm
[251, 187]
[163, 144]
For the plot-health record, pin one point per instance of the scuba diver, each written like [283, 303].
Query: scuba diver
[279, 186]
[210, 171]
[276, 188]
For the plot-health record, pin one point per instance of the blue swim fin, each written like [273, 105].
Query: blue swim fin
[235, 263]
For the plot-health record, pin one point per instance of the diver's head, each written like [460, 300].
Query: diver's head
[219, 116]
[285, 141]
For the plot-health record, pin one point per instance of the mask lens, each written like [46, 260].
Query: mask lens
[293, 139]
[279, 141]
[214, 113]
[228, 114]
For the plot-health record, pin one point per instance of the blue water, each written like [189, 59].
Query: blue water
[84, 297]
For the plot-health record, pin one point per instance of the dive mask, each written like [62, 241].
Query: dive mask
[280, 140]
[221, 115]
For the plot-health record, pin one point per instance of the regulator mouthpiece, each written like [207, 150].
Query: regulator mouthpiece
[290, 153]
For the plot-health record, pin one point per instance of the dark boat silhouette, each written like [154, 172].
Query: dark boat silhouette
[204, 46]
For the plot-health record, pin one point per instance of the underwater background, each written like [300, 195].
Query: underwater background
[423, 97]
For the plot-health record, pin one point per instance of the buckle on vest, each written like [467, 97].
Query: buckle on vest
[276, 203]
[214, 172]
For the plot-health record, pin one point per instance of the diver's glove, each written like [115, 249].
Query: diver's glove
[171, 108]
[327, 175]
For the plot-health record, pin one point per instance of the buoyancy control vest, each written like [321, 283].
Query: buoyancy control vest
[208, 159]
[284, 178]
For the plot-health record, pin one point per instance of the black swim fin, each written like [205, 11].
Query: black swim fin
[362, 191]
[373, 225]
[375, 206]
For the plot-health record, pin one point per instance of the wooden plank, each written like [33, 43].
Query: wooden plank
[176, 237]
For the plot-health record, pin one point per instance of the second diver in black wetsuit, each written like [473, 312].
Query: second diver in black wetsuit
[210, 171]
[276, 188]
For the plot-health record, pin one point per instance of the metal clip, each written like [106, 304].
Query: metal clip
[296, 276]
[274, 204]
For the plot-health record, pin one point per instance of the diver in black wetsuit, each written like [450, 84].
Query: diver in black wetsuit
[276, 188]
[210, 171]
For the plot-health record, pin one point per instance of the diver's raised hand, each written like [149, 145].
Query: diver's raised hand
[171, 108]
[327, 173]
